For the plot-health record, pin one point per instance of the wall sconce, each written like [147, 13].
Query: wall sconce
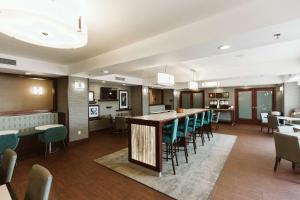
[175, 92]
[281, 88]
[79, 85]
[145, 90]
[37, 90]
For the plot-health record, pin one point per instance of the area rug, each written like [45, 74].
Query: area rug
[193, 180]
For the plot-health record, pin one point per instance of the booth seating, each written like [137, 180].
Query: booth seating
[26, 123]
[26, 139]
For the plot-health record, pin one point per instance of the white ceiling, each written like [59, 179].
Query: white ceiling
[114, 23]
[138, 38]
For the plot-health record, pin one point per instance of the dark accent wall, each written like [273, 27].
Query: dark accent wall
[16, 94]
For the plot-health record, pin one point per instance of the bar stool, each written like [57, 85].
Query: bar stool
[207, 124]
[182, 136]
[200, 125]
[169, 138]
[192, 130]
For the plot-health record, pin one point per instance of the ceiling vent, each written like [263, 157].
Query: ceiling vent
[117, 78]
[8, 61]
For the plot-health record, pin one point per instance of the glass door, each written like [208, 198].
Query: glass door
[264, 101]
[250, 103]
[198, 100]
[185, 100]
[245, 105]
[192, 99]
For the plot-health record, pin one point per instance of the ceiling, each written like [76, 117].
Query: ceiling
[139, 38]
[113, 24]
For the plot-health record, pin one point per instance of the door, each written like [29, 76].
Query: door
[250, 103]
[192, 99]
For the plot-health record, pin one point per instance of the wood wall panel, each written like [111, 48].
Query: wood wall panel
[143, 147]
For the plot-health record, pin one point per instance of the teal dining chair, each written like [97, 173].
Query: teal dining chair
[182, 137]
[9, 141]
[200, 125]
[51, 135]
[169, 138]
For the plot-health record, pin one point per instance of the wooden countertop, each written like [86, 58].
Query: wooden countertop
[168, 115]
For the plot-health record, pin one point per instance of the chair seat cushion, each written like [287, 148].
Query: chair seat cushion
[166, 138]
[180, 134]
[167, 126]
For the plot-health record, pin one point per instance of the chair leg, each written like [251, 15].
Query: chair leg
[174, 150]
[194, 142]
[185, 151]
[261, 128]
[167, 150]
[268, 130]
[277, 160]
[64, 144]
[172, 158]
[210, 128]
[46, 147]
[293, 166]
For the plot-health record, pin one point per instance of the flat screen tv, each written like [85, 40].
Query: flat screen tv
[108, 93]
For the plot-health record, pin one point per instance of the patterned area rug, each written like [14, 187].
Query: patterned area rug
[193, 180]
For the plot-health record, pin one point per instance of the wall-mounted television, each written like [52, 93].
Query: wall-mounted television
[107, 93]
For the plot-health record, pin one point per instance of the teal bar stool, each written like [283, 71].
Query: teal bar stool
[207, 123]
[200, 125]
[192, 130]
[169, 138]
[182, 137]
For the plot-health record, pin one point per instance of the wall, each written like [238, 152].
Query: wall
[104, 105]
[137, 96]
[78, 110]
[145, 100]
[291, 97]
[16, 94]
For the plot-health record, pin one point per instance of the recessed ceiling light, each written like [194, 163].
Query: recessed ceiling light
[105, 71]
[224, 47]
[123, 84]
[27, 73]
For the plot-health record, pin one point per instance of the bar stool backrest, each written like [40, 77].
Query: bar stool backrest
[202, 119]
[194, 122]
[174, 130]
[186, 124]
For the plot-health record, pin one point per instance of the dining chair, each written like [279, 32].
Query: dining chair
[287, 147]
[169, 138]
[182, 137]
[263, 121]
[215, 120]
[273, 123]
[39, 185]
[7, 166]
[8, 141]
[51, 135]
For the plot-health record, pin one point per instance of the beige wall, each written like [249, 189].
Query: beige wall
[16, 94]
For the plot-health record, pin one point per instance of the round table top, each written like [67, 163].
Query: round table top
[6, 132]
[45, 127]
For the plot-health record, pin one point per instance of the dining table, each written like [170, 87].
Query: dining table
[6, 192]
[7, 132]
[45, 127]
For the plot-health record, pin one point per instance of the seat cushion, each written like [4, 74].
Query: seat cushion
[180, 134]
[166, 138]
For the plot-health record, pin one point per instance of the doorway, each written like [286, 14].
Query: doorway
[250, 103]
[192, 99]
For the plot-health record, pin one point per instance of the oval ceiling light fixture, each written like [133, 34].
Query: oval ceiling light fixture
[224, 47]
[49, 23]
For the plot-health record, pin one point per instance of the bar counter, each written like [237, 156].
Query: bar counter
[145, 137]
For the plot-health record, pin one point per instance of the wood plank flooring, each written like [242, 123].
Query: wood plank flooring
[248, 172]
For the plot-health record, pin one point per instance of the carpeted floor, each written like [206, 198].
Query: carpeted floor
[193, 180]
